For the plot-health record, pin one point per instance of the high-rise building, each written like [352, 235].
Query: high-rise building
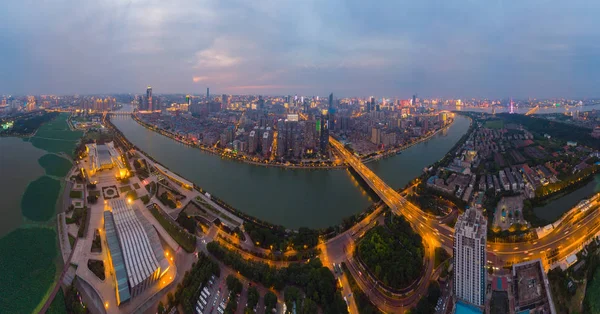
[375, 135]
[207, 93]
[148, 100]
[261, 103]
[253, 142]
[266, 143]
[371, 104]
[324, 136]
[225, 101]
[470, 236]
[414, 100]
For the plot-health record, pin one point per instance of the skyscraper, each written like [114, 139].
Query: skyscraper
[148, 98]
[331, 114]
[324, 134]
[207, 93]
[414, 100]
[224, 101]
[470, 236]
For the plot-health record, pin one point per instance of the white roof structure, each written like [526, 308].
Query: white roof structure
[140, 260]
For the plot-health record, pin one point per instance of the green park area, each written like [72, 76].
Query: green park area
[592, 293]
[494, 124]
[39, 200]
[393, 252]
[58, 304]
[55, 165]
[29, 269]
[56, 137]
[184, 239]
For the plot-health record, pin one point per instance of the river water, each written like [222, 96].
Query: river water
[553, 210]
[290, 197]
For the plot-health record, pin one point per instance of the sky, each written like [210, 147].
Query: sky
[392, 48]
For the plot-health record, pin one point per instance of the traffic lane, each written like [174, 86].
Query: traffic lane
[550, 241]
[242, 300]
[382, 300]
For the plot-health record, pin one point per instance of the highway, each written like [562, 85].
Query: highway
[573, 232]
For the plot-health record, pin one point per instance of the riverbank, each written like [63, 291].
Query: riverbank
[290, 198]
[237, 158]
[242, 159]
[395, 151]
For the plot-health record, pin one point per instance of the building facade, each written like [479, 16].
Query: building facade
[470, 238]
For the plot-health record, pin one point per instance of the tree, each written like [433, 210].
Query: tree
[171, 299]
[270, 300]
[253, 297]
[291, 295]
[233, 284]
[308, 307]
[161, 308]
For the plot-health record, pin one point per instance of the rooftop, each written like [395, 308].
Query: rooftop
[531, 287]
[140, 260]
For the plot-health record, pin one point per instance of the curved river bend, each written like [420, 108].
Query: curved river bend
[290, 197]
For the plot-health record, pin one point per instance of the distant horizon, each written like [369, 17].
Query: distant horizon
[324, 96]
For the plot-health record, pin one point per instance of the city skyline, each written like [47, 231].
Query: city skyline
[444, 50]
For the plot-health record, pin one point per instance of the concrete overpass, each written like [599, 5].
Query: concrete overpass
[119, 113]
[567, 238]
[532, 110]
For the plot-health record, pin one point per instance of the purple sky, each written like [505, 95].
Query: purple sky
[436, 48]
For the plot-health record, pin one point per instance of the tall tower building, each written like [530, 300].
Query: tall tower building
[207, 93]
[324, 134]
[470, 236]
[512, 106]
[149, 98]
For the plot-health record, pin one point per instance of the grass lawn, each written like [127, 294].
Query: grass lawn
[71, 240]
[39, 200]
[186, 240]
[592, 294]
[125, 189]
[28, 260]
[132, 194]
[94, 193]
[76, 194]
[55, 136]
[494, 124]
[58, 304]
[55, 165]
[145, 199]
[136, 186]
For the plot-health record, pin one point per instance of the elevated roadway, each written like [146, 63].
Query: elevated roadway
[532, 110]
[575, 230]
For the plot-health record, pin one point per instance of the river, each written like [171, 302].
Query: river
[553, 210]
[290, 197]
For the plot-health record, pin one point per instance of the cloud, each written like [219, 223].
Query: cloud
[443, 48]
[197, 79]
[210, 58]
